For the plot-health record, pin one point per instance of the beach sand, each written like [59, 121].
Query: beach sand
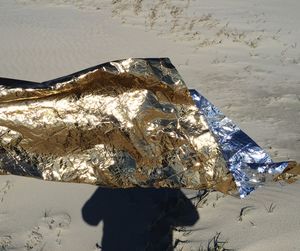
[244, 56]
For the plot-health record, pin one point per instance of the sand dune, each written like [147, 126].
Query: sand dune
[244, 56]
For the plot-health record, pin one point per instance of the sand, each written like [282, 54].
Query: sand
[243, 56]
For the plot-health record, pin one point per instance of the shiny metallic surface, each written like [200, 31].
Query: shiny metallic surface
[121, 124]
[128, 123]
[249, 164]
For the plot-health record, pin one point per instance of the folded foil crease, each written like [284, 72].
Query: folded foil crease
[121, 124]
[127, 123]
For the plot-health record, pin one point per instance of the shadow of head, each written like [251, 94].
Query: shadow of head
[139, 218]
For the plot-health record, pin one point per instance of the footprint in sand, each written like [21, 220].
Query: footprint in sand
[5, 242]
[57, 221]
[4, 188]
[49, 232]
[34, 240]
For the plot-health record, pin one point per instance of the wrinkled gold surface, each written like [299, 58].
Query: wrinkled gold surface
[115, 127]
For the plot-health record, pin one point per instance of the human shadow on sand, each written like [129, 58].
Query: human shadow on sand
[138, 219]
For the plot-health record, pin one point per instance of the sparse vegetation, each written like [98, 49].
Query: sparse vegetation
[185, 231]
[200, 198]
[215, 244]
[270, 208]
[243, 212]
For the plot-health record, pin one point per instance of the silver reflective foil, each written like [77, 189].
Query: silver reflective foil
[248, 162]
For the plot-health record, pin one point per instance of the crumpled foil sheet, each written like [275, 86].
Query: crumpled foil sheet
[121, 124]
[127, 123]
